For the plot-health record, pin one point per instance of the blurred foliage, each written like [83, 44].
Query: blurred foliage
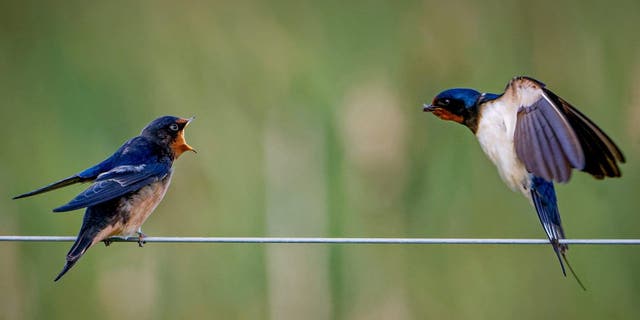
[309, 123]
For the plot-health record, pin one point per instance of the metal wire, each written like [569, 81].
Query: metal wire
[312, 240]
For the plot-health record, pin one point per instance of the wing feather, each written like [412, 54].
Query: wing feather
[563, 132]
[56, 185]
[540, 126]
[552, 137]
[554, 153]
[601, 153]
[538, 147]
[117, 182]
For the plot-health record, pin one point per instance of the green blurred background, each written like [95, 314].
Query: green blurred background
[309, 123]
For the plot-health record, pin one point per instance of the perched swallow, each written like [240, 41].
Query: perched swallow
[534, 138]
[126, 187]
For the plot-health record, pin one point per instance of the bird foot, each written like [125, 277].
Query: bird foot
[107, 242]
[141, 237]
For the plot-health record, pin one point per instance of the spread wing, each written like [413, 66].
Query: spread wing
[117, 182]
[552, 137]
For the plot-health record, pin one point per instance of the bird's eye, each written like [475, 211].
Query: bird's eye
[173, 127]
[445, 102]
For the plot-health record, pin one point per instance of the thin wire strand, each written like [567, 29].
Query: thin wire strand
[311, 240]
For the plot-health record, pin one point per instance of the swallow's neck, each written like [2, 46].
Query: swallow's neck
[160, 148]
[470, 118]
[474, 114]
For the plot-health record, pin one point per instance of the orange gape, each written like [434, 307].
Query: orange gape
[179, 146]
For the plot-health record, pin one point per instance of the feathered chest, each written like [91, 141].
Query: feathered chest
[496, 127]
[136, 208]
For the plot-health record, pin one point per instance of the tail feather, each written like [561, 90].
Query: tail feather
[66, 268]
[559, 250]
[573, 273]
[83, 242]
[544, 199]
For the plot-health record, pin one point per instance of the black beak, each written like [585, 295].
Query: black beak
[428, 108]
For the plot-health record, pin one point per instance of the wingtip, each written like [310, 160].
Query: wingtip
[67, 207]
[24, 195]
[56, 185]
[622, 158]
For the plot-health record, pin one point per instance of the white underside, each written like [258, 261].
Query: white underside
[495, 133]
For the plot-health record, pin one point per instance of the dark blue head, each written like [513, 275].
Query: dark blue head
[459, 105]
[169, 131]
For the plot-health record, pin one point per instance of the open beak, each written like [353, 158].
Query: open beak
[428, 108]
[182, 144]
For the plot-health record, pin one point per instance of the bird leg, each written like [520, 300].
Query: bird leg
[107, 242]
[141, 237]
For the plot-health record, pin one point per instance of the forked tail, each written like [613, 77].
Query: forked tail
[573, 273]
[544, 199]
